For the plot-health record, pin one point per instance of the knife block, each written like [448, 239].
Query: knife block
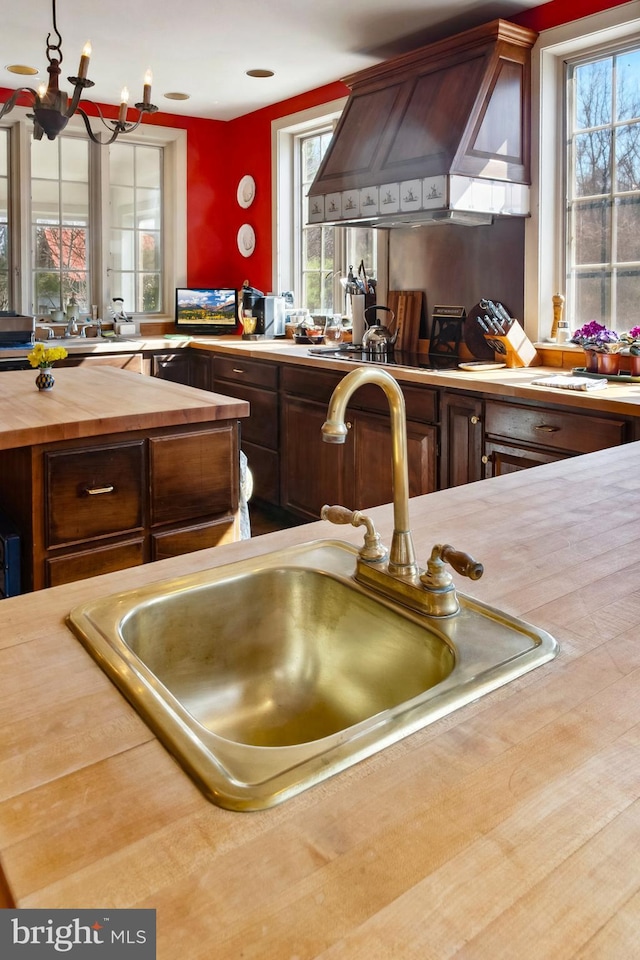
[514, 347]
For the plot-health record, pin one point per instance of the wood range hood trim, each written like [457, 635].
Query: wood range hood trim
[435, 133]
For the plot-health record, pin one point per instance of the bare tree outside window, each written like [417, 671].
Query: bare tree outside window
[603, 190]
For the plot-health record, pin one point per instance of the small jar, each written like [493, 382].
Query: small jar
[563, 333]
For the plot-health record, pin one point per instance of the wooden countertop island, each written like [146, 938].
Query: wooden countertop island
[110, 469]
[507, 829]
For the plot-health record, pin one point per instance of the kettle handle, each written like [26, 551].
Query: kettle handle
[376, 307]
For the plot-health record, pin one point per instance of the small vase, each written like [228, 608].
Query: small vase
[591, 361]
[609, 363]
[45, 379]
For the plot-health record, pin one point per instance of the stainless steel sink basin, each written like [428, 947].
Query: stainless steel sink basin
[267, 676]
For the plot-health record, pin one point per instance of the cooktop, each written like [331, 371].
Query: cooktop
[398, 358]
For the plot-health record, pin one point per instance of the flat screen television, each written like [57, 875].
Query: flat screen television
[206, 311]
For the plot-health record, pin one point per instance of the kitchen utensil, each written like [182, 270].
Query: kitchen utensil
[377, 337]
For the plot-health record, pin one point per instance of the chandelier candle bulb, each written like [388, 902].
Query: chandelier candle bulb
[84, 60]
[146, 93]
[124, 103]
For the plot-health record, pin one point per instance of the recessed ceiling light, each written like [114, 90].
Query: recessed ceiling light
[259, 73]
[175, 95]
[22, 69]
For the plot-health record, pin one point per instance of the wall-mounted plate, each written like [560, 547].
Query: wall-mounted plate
[246, 191]
[246, 240]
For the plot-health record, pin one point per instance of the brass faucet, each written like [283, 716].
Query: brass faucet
[395, 573]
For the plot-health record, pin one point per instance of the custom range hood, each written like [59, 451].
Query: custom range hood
[439, 135]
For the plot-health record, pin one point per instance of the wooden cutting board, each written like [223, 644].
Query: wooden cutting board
[407, 306]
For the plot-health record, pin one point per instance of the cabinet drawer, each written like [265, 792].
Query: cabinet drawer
[311, 383]
[246, 371]
[93, 492]
[557, 429]
[91, 563]
[174, 543]
[421, 403]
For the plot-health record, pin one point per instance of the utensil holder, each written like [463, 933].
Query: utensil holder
[514, 347]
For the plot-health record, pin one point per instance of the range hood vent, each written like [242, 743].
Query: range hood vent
[440, 131]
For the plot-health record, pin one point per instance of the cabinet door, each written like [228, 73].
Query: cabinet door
[373, 468]
[313, 472]
[461, 454]
[500, 458]
[201, 369]
[261, 426]
[172, 366]
[194, 475]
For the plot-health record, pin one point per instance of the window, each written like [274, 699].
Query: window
[581, 238]
[135, 176]
[60, 223]
[5, 264]
[312, 258]
[91, 221]
[603, 189]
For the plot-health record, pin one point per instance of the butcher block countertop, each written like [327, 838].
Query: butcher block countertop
[510, 828]
[90, 401]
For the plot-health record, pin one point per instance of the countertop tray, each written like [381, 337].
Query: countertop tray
[614, 377]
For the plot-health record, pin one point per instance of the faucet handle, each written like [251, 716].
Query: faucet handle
[373, 548]
[462, 563]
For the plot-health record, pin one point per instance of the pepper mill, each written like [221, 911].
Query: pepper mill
[558, 305]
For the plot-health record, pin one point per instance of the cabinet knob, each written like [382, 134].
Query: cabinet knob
[474, 419]
[485, 459]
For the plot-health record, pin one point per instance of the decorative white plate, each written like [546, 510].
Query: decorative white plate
[246, 240]
[246, 191]
[480, 365]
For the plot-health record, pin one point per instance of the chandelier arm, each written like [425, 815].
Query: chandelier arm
[114, 129]
[9, 104]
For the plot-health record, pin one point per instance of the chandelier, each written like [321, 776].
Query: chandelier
[52, 108]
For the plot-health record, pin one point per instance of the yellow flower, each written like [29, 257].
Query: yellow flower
[42, 356]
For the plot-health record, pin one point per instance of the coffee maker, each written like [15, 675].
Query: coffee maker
[268, 312]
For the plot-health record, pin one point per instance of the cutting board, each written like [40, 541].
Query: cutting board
[407, 306]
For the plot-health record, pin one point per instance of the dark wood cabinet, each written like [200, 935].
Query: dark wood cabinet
[357, 473]
[519, 436]
[116, 501]
[461, 439]
[172, 366]
[257, 382]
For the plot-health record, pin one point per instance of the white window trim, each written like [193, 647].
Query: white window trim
[172, 139]
[544, 245]
[285, 229]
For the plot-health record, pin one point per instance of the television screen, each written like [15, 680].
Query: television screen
[206, 310]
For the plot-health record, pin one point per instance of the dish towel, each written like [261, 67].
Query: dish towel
[570, 383]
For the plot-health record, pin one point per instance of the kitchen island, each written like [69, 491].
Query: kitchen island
[507, 829]
[110, 469]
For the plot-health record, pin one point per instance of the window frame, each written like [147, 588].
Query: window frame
[174, 143]
[545, 250]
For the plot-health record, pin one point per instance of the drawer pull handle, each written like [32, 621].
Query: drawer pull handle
[236, 370]
[97, 491]
[545, 428]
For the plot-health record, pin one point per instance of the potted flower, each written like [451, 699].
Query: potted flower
[601, 346]
[44, 358]
[631, 339]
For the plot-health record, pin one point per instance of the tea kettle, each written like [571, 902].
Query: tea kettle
[377, 337]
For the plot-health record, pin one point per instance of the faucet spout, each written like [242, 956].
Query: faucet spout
[334, 430]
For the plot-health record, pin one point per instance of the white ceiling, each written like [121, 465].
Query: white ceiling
[204, 48]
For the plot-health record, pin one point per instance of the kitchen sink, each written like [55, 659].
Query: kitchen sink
[266, 676]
